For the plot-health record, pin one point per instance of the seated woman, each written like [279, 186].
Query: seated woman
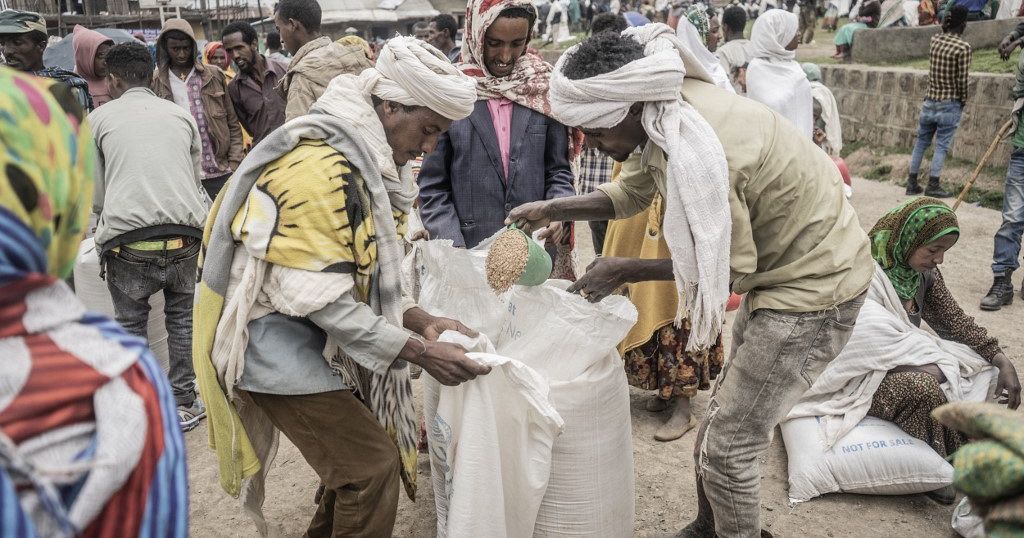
[909, 244]
[893, 370]
[867, 17]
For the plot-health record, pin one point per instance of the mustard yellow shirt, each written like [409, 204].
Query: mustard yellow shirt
[797, 245]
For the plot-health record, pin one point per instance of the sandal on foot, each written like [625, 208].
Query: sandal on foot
[672, 430]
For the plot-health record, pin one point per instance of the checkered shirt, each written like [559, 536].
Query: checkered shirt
[948, 67]
[595, 169]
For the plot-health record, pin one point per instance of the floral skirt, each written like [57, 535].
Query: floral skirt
[664, 365]
[907, 399]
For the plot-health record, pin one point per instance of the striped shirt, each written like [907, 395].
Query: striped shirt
[948, 67]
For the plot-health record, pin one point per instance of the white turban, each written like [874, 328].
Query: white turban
[698, 224]
[409, 72]
[771, 33]
[413, 73]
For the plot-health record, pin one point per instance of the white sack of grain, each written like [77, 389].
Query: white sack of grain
[490, 445]
[94, 294]
[570, 343]
[876, 458]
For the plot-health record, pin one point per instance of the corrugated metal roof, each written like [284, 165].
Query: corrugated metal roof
[341, 11]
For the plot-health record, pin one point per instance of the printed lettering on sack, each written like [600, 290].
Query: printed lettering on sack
[874, 445]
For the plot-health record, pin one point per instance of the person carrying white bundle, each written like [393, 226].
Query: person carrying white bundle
[774, 77]
[749, 201]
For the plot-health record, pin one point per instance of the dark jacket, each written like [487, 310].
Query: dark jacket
[259, 106]
[464, 194]
[225, 131]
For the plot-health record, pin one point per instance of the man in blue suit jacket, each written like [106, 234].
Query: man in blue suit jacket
[505, 154]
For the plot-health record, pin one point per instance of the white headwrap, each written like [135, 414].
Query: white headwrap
[773, 76]
[410, 72]
[771, 33]
[687, 32]
[698, 225]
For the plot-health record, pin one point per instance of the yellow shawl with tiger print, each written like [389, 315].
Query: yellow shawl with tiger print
[330, 211]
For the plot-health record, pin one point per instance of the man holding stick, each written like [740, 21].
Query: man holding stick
[1006, 251]
[762, 212]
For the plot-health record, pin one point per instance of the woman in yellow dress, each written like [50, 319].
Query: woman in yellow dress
[654, 351]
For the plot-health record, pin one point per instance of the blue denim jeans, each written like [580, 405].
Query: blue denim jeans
[132, 277]
[1006, 256]
[939, 120]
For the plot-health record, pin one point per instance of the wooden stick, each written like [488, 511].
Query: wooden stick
[981, 164]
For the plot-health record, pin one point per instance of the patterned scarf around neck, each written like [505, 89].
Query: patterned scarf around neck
[531, 75]
[903, 230]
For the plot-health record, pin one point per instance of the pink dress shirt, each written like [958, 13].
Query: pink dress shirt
[501, 118]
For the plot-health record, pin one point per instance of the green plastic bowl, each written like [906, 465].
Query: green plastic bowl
[538, 265]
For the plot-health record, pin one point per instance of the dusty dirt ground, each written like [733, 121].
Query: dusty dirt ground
[664, 471]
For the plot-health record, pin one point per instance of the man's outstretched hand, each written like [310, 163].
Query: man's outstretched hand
[530, 216]
[603, 277]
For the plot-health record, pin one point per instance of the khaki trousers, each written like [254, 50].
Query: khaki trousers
[355, 459]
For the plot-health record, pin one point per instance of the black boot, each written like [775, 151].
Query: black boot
[1000, 294]
[913, 188]
[935, 190]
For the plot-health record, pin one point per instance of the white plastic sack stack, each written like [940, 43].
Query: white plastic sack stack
[570, 343]
[94, 294]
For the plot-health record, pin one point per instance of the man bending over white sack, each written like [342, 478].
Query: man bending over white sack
[751, 205]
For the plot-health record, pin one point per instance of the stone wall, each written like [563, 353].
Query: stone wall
[880, 106]
[898, 44]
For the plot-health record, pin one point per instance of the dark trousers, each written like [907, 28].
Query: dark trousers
[215, 184]
[132, 277]
[355, 459]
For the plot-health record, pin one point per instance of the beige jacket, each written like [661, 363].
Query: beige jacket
[313, 67]
[797, 245]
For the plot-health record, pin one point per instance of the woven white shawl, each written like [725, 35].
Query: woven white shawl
[697, 219]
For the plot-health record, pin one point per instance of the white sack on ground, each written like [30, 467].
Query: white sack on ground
[874, 458]
[570, 343]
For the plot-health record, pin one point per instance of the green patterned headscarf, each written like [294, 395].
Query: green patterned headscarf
[901, 231]
[698, 16]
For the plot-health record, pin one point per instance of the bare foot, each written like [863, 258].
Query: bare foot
[656, 405]
[678, 424]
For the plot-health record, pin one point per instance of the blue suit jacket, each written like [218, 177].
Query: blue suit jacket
[464, 194]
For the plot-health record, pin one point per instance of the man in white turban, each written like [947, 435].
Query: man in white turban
[301, 324]
[751, 205]
[773, 76]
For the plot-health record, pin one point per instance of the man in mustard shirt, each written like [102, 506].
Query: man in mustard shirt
[735, 176]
